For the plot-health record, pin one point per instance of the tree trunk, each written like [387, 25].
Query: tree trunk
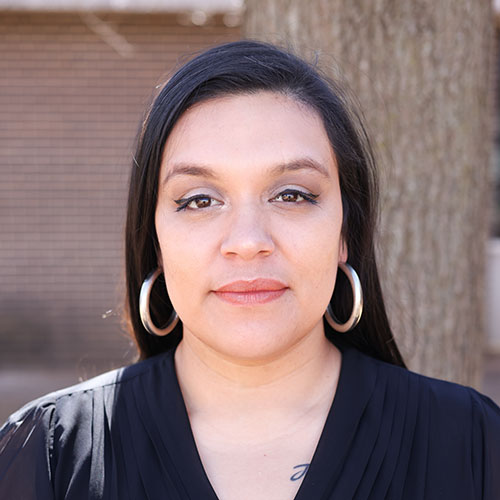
[421, 70]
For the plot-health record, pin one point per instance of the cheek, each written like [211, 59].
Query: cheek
[319, 258]
[184, 255]
[313, 252]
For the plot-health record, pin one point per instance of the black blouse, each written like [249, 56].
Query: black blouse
[390, 434]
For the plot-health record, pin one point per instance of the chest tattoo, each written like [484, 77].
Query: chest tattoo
[300, 471]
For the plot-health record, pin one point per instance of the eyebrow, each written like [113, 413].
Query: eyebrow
[207, 172]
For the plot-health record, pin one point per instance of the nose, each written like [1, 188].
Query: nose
[247, 234]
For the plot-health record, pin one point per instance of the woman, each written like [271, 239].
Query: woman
[263, 374]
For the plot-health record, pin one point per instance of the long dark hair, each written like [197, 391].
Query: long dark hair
[245, 67]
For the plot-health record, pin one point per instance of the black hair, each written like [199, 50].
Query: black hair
[246, 67]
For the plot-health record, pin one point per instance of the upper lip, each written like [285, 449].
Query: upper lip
[259, 284]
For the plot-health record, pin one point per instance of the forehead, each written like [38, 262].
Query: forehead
[250, 130]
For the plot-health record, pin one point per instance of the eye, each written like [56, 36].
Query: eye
[196, 202]
[295, 196]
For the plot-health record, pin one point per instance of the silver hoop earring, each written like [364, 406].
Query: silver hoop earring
[147, 322]
[357, 308]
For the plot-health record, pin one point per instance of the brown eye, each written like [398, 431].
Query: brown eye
[196, 202]
[201, 202]
[290, 196]
[295, 197]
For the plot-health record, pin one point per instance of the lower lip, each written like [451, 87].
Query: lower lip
[249, 298]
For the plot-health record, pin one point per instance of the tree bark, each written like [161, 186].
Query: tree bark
[422, 71]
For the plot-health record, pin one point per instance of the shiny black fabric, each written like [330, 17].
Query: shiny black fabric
[390, 434]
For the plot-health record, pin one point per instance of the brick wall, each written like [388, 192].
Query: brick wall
[72, 93]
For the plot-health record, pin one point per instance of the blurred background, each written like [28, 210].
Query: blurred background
[75, 79]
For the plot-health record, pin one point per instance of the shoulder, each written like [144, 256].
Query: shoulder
[63, 409]
[447, 429]
[440, 394]
[110, 381]
[455, 421]
[48, 437]
[449, 410]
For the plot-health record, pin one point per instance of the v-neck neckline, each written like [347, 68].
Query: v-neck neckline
[355, 385]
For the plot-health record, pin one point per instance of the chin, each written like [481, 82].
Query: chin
[253, 346]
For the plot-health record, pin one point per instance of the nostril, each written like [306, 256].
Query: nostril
[247, 249]
[247, 234]
[247, 244]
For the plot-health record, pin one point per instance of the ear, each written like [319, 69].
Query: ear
[343, 253]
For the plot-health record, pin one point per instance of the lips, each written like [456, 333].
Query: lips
[256, 285]
[258, 291]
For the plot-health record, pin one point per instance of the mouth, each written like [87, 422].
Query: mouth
[258, 291]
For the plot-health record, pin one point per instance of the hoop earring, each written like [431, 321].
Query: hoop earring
[357, 308]
[147, 322]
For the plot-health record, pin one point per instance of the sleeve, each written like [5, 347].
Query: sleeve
[486, 447]
[25, 453]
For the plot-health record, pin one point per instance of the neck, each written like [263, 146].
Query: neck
[291, 384]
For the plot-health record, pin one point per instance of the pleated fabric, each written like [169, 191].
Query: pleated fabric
[390, 434]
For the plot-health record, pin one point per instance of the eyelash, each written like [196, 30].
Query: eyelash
[184, 202]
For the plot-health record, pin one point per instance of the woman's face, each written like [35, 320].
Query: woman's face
[248, 191]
